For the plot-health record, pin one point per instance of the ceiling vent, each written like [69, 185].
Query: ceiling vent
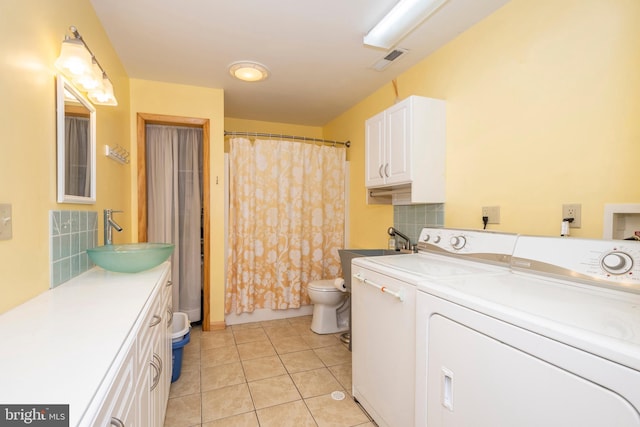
[391, 56]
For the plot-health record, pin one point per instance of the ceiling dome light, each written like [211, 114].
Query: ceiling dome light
[248, 71]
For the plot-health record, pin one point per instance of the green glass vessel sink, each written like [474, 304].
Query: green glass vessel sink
[130, 257]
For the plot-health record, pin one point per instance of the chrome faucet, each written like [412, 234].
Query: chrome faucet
[109, 223]
[393, 232]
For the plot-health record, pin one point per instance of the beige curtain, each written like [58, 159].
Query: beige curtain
[174, 199]
[286, 221]
[77, 178]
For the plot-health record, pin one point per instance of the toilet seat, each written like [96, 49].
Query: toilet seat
[322, 286]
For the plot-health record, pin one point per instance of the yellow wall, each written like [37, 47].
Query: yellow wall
[240, 125]
[31, 32]
[199, 102]
[368, 224]
[543, 108]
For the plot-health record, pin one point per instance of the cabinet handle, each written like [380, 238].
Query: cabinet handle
[156, 319]
[159, 359]
[169, 283]
[386, 170]
[158, 369]
[156, 378]
[116, 422]
[380, 171]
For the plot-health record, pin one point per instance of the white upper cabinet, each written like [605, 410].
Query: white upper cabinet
[375, 150]
[405, 151]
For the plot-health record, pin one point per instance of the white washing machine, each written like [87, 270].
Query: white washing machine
[556, 342]
[383, 298]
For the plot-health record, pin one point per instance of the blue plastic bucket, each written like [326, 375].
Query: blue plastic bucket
[177, 350]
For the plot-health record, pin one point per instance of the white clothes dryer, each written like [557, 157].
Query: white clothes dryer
[556, 342]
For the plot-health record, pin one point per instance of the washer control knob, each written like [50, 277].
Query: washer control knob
[617, 263]
[426, 238]
[458, 242]
[436, 239]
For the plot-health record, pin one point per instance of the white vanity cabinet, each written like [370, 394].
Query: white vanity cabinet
[89, 344]
[139, 393]
[405, 150]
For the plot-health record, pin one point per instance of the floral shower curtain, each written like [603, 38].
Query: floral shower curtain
[286, 221]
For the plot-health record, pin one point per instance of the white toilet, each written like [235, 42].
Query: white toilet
[330, 307]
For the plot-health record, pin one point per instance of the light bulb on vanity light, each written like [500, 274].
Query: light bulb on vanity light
[90, 81]
[103, 95]
[75, 59]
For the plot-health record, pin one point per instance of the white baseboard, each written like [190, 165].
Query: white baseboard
[264, 314]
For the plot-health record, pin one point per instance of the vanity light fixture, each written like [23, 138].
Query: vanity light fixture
[405, 16]
[248, 71]
[80, 65]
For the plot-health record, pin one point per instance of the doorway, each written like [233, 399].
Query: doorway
[144, 119]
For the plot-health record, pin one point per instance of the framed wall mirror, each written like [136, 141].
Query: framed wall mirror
[76, 143]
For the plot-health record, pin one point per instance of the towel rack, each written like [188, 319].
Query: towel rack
[399, 295]
[117, 153]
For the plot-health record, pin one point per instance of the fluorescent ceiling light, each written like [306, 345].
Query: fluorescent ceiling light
[400, 21]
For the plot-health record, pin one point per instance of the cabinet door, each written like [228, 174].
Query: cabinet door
[120, 404]
[476, 380]
[156, 369]
[143, 397]
[374, 150]
[153, 360]
[398, 144]
[167, 352]
[383, 357]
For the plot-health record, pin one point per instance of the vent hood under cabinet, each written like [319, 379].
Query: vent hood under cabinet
[405, 153]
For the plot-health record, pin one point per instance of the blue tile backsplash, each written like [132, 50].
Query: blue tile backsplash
[71, 233]
[410, 219]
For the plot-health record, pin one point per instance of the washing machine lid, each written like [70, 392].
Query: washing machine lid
[433, 266]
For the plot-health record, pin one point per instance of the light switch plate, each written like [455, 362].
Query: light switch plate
[5, 222]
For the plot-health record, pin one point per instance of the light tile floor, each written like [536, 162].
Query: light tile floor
[265, 374]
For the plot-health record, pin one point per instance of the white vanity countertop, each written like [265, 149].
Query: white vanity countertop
[58, 347]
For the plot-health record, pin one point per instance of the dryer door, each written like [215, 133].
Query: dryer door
[476, 380]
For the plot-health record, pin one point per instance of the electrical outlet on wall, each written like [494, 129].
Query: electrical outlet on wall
[493, 213]
[574, 211]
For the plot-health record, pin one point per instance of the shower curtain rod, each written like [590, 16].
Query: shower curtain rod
[277, 135]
